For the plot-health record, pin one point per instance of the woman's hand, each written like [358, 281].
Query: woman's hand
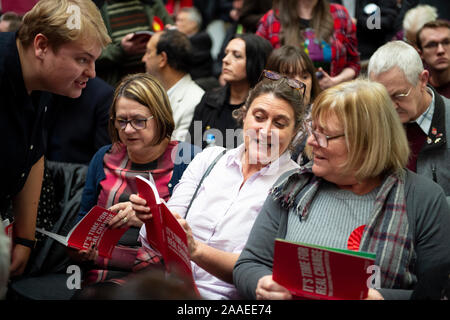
[133, 46]
[374, 295]
[193, 245]
[19, 258]
[326, 81]
[125, 217]
[141, 211]
[267, 289]
[217, 262]
[80, 256]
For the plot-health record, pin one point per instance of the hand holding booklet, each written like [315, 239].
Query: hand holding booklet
[142, 36]
[91, 231]
[164, 233]
[317, 272]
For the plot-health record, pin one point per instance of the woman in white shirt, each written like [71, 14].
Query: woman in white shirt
[231, 196]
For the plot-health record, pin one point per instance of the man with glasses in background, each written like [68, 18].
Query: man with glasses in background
[424, 113]
[433, 42]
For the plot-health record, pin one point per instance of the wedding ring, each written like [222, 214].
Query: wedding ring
[125, 219]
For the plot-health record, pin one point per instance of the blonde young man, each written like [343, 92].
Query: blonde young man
[53, 51]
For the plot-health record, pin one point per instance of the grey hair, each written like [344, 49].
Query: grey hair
[416, 17]
[194, 15]
[396, 54]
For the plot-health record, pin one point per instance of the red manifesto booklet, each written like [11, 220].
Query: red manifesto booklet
[164, 233]
[316, 272]
[91, 230]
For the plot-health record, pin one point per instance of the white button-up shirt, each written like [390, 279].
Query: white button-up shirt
[223, 212]
[424, 120]
[184, 96]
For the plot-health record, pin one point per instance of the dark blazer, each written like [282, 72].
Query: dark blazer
[22, 119]
[77, 128]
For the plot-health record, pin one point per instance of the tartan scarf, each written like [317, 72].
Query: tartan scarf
[387, 233]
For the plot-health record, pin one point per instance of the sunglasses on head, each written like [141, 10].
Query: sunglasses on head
[293, 83]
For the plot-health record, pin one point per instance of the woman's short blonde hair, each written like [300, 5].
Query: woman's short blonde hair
[63, 21]
[148, 91]
[375, 137]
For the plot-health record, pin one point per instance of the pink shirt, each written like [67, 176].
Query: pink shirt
[222, 214]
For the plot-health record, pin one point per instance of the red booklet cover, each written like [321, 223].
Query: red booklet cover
[8, 228]
[164, 233]
[91, 230]
[142, 36]
[316, 272]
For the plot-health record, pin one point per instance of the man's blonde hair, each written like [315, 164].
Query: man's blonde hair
[374, 135]
[63, 21]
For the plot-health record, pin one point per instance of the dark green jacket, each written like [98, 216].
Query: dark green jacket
[108, 64]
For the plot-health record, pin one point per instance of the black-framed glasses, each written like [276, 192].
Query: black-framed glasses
[433, 45]
[293, 83]
[137, 124]
[321, 138]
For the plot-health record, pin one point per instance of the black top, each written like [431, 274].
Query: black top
[374, 30]
[201, 60]
[215, 113]
[77, 128]
[252, 12]
[21, 122]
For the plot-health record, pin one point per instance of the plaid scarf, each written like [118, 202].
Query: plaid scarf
[124, 262]
[387, 233]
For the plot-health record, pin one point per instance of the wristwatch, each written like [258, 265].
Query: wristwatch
[26, 242]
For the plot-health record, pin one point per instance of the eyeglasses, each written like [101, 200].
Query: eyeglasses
[321, 138]
[137, 124]
[400, 96]
[293, 83]
[433, 45]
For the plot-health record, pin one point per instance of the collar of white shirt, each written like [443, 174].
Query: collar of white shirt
[234, 158]
[424, 120]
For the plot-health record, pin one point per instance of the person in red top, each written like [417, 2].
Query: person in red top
[174, 6]
[325, 31]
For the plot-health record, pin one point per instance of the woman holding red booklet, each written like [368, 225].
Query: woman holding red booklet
[140, 128]
[356, 179]
[230, 198]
